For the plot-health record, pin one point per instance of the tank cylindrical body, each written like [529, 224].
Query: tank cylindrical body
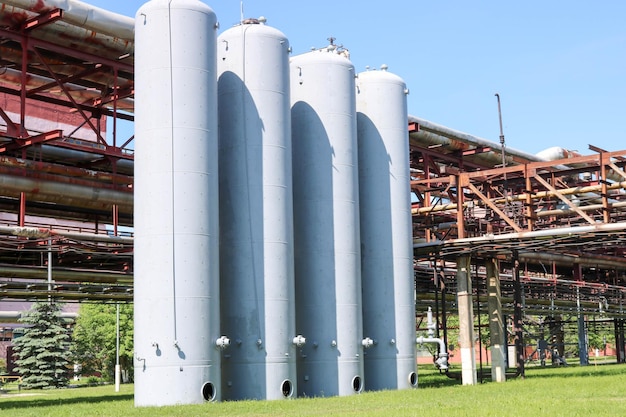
[176, 218]
[256, 213]
[326, 224]
[386, 233]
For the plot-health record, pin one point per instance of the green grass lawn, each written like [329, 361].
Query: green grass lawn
[569, 391]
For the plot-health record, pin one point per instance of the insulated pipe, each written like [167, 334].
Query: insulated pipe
[568, 260]
[67, 194]
[38, 232]
[522, 197]
[556, 153]
[32, 167]
[434, 134]
[84, 17]
[64, 274]
[591, 207]
[5, 316]
[122, 166]
[607, 227]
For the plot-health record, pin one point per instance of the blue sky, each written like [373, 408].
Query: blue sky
[559, 66]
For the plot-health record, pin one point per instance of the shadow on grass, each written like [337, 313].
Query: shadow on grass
[576, 371]
[436, 379]
[32, 402]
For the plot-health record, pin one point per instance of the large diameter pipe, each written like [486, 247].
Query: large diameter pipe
[546, 233]
[65, 274]
[569, 260]
[434, 134]
[14, 316]
[38, 232]
[84, 17]
[48, 191]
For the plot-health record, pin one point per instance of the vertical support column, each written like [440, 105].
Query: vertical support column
[530, 212]
[583, 345]
[22, 215]
[466, 320]
[115, 215]
[49, 268]
[517, 316]
[24, 83]
[460, 181]
[496, 323]
[583, 341]
[619, 339]
[606, 207]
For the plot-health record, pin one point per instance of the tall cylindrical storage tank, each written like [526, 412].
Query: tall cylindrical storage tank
[386, 231]
[326, 223]
[176, 215]
[256, 213]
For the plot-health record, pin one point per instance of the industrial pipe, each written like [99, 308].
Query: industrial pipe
[83, 17]
[547, 233]
[522, 197]
[442, 357]
[568, 260]
[9, 316]
[66, 274]
[68, 194]
[434, 134]
[39, 232]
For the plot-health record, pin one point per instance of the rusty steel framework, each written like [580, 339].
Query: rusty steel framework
[66, 192]
[564, 220]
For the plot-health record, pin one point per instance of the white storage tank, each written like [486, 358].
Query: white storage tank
[256, 213]
[326, 223]
[386, 233]
[176, 205]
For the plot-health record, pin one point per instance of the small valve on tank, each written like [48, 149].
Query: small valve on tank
[299, 340]
[367, 343]
[222, 342]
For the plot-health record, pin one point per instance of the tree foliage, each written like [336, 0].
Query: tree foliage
[42, 351]
[94, 339]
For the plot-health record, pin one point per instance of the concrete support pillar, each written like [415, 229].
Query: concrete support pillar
[466, 320]
[496, 323]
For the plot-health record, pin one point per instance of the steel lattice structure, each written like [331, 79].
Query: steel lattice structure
[68, 196]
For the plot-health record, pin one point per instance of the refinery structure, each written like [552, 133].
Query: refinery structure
[280, 222]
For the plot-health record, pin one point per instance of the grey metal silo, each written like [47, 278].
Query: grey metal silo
[256, 213]
[326, 223]
[386, 230]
